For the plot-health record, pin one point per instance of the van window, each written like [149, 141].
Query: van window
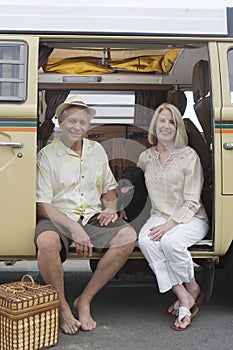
[111, 106]
[13, 66]
[119, 107]
[230, 67]
[190, 112]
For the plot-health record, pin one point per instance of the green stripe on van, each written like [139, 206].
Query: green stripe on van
[224, 126]
[19, 124]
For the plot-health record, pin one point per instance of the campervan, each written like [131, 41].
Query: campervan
[124, 59]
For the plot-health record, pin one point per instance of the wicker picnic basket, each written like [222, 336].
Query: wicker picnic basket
[28, 315]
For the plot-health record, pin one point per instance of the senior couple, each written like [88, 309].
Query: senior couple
[77, 202]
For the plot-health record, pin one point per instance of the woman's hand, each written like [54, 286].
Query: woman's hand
[157, 232]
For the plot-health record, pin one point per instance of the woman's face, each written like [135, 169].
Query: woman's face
[165, 127]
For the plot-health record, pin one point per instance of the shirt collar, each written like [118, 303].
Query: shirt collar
[62, 149]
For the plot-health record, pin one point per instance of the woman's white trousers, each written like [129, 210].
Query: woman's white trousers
[170, 258]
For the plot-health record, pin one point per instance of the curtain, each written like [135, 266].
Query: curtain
[46, 129]
[44, 53]
[52, 98]
[178, 99]
[146, 103]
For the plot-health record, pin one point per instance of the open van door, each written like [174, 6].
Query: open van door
[225, 129]
[18, 125]
[226, 125]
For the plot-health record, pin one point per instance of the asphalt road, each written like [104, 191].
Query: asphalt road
[133, 316]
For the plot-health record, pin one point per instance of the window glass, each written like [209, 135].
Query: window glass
[190, 112]
[13, 64]
[111, 107]
[119, 107]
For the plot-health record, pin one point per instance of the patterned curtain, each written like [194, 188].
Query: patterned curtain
[44, 53]
[53, 98]
[146, 103]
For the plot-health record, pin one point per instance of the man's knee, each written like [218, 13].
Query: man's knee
[128, 235]
[125, 238]
[49, 241]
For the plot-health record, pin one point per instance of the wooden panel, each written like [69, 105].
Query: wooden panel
[106, 132]
[122, 143]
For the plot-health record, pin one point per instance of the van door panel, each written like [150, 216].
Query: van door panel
[18, 126]
[225, 127]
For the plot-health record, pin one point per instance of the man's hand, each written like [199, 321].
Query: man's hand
[107, 216]
[123, 215]
[83, 249]
[82, 241]
[83, 245]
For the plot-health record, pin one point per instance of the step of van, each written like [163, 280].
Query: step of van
[203, 245]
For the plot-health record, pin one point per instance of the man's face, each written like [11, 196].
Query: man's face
[75, 125]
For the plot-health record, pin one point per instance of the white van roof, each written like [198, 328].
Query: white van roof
[111, 17]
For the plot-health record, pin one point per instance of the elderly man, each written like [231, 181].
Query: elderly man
[76, 202]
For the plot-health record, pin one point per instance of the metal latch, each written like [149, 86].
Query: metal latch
[228, 145]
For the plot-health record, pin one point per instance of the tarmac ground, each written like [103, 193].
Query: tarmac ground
[133, 316]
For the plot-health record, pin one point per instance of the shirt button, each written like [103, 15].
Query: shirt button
[81, 194]
[82, 176]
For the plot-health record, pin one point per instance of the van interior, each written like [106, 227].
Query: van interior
[125, 80]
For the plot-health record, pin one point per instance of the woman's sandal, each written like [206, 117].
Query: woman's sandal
[184, 311]
[175, 309]
[198, 301]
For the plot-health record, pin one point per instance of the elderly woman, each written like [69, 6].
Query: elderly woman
[174, 179]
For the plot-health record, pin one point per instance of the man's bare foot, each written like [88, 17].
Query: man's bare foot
[84, 314]
[67, 322]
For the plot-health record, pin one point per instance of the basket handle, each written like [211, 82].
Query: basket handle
[27, 276]
[22, 287]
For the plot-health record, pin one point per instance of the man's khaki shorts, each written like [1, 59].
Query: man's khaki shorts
[100, 236]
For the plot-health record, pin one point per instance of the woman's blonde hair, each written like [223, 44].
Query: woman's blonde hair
[181, 138]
